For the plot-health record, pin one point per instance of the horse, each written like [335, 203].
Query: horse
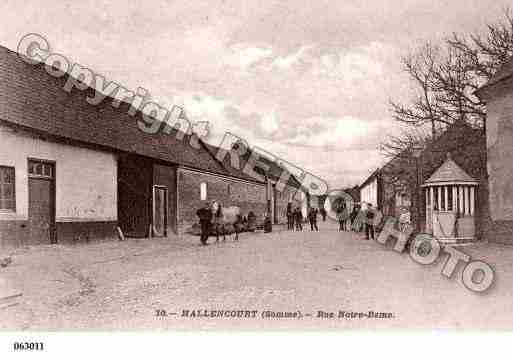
[223, 216]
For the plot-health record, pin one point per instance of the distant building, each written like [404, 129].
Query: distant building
[386, 188]
[371, 189]
[396, 184]
[354, 192]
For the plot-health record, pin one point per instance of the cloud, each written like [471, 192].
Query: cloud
[244, 56]
[369, 61]
[342, 133]
[309, 82]
[287, 61]
[270, 123]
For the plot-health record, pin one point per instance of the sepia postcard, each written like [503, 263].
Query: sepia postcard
[286, 166]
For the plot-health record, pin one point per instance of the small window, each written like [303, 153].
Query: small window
[7, 190]
[38, 168]
[47, 170]
[203, 191]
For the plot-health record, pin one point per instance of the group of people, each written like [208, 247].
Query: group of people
[295, 218]
[213, 219]
[360, 218]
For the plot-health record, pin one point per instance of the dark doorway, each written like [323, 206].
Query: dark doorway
[41, 202]
[159, 211]
[135, 183]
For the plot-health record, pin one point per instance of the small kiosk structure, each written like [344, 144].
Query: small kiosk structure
[451, 203]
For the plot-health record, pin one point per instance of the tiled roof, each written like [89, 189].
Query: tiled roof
[450, 172]
[228, 168]
[32, 99]
[275, 170]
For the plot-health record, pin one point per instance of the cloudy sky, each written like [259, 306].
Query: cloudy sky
[306, 80]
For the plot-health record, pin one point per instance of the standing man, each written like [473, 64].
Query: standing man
[352, 218]
[298, 218]
[369, 223]
[268, 225]
[312, 217]
[341, 215]
[340, 219]
[251, 221]
[323, 214]
[205, 219]
[290, 217]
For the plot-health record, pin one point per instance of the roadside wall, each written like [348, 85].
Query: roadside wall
[249, 196]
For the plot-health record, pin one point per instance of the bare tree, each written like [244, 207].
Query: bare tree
[445, 78]
[420, 67]
[454, 84]
[402, 144]
[486, 53]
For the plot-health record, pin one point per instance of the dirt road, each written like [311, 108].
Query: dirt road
[306, 280]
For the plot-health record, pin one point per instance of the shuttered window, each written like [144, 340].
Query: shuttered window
[7, 190]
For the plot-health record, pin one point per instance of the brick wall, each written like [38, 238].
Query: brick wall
[229, 192]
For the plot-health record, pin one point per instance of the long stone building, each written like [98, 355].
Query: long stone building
[73, 171]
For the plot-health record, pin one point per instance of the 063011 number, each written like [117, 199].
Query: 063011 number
[35, 346]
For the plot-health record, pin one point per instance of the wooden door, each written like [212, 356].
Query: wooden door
[41, 208]
[159, 211]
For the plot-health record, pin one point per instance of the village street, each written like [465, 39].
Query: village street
[121, 285]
